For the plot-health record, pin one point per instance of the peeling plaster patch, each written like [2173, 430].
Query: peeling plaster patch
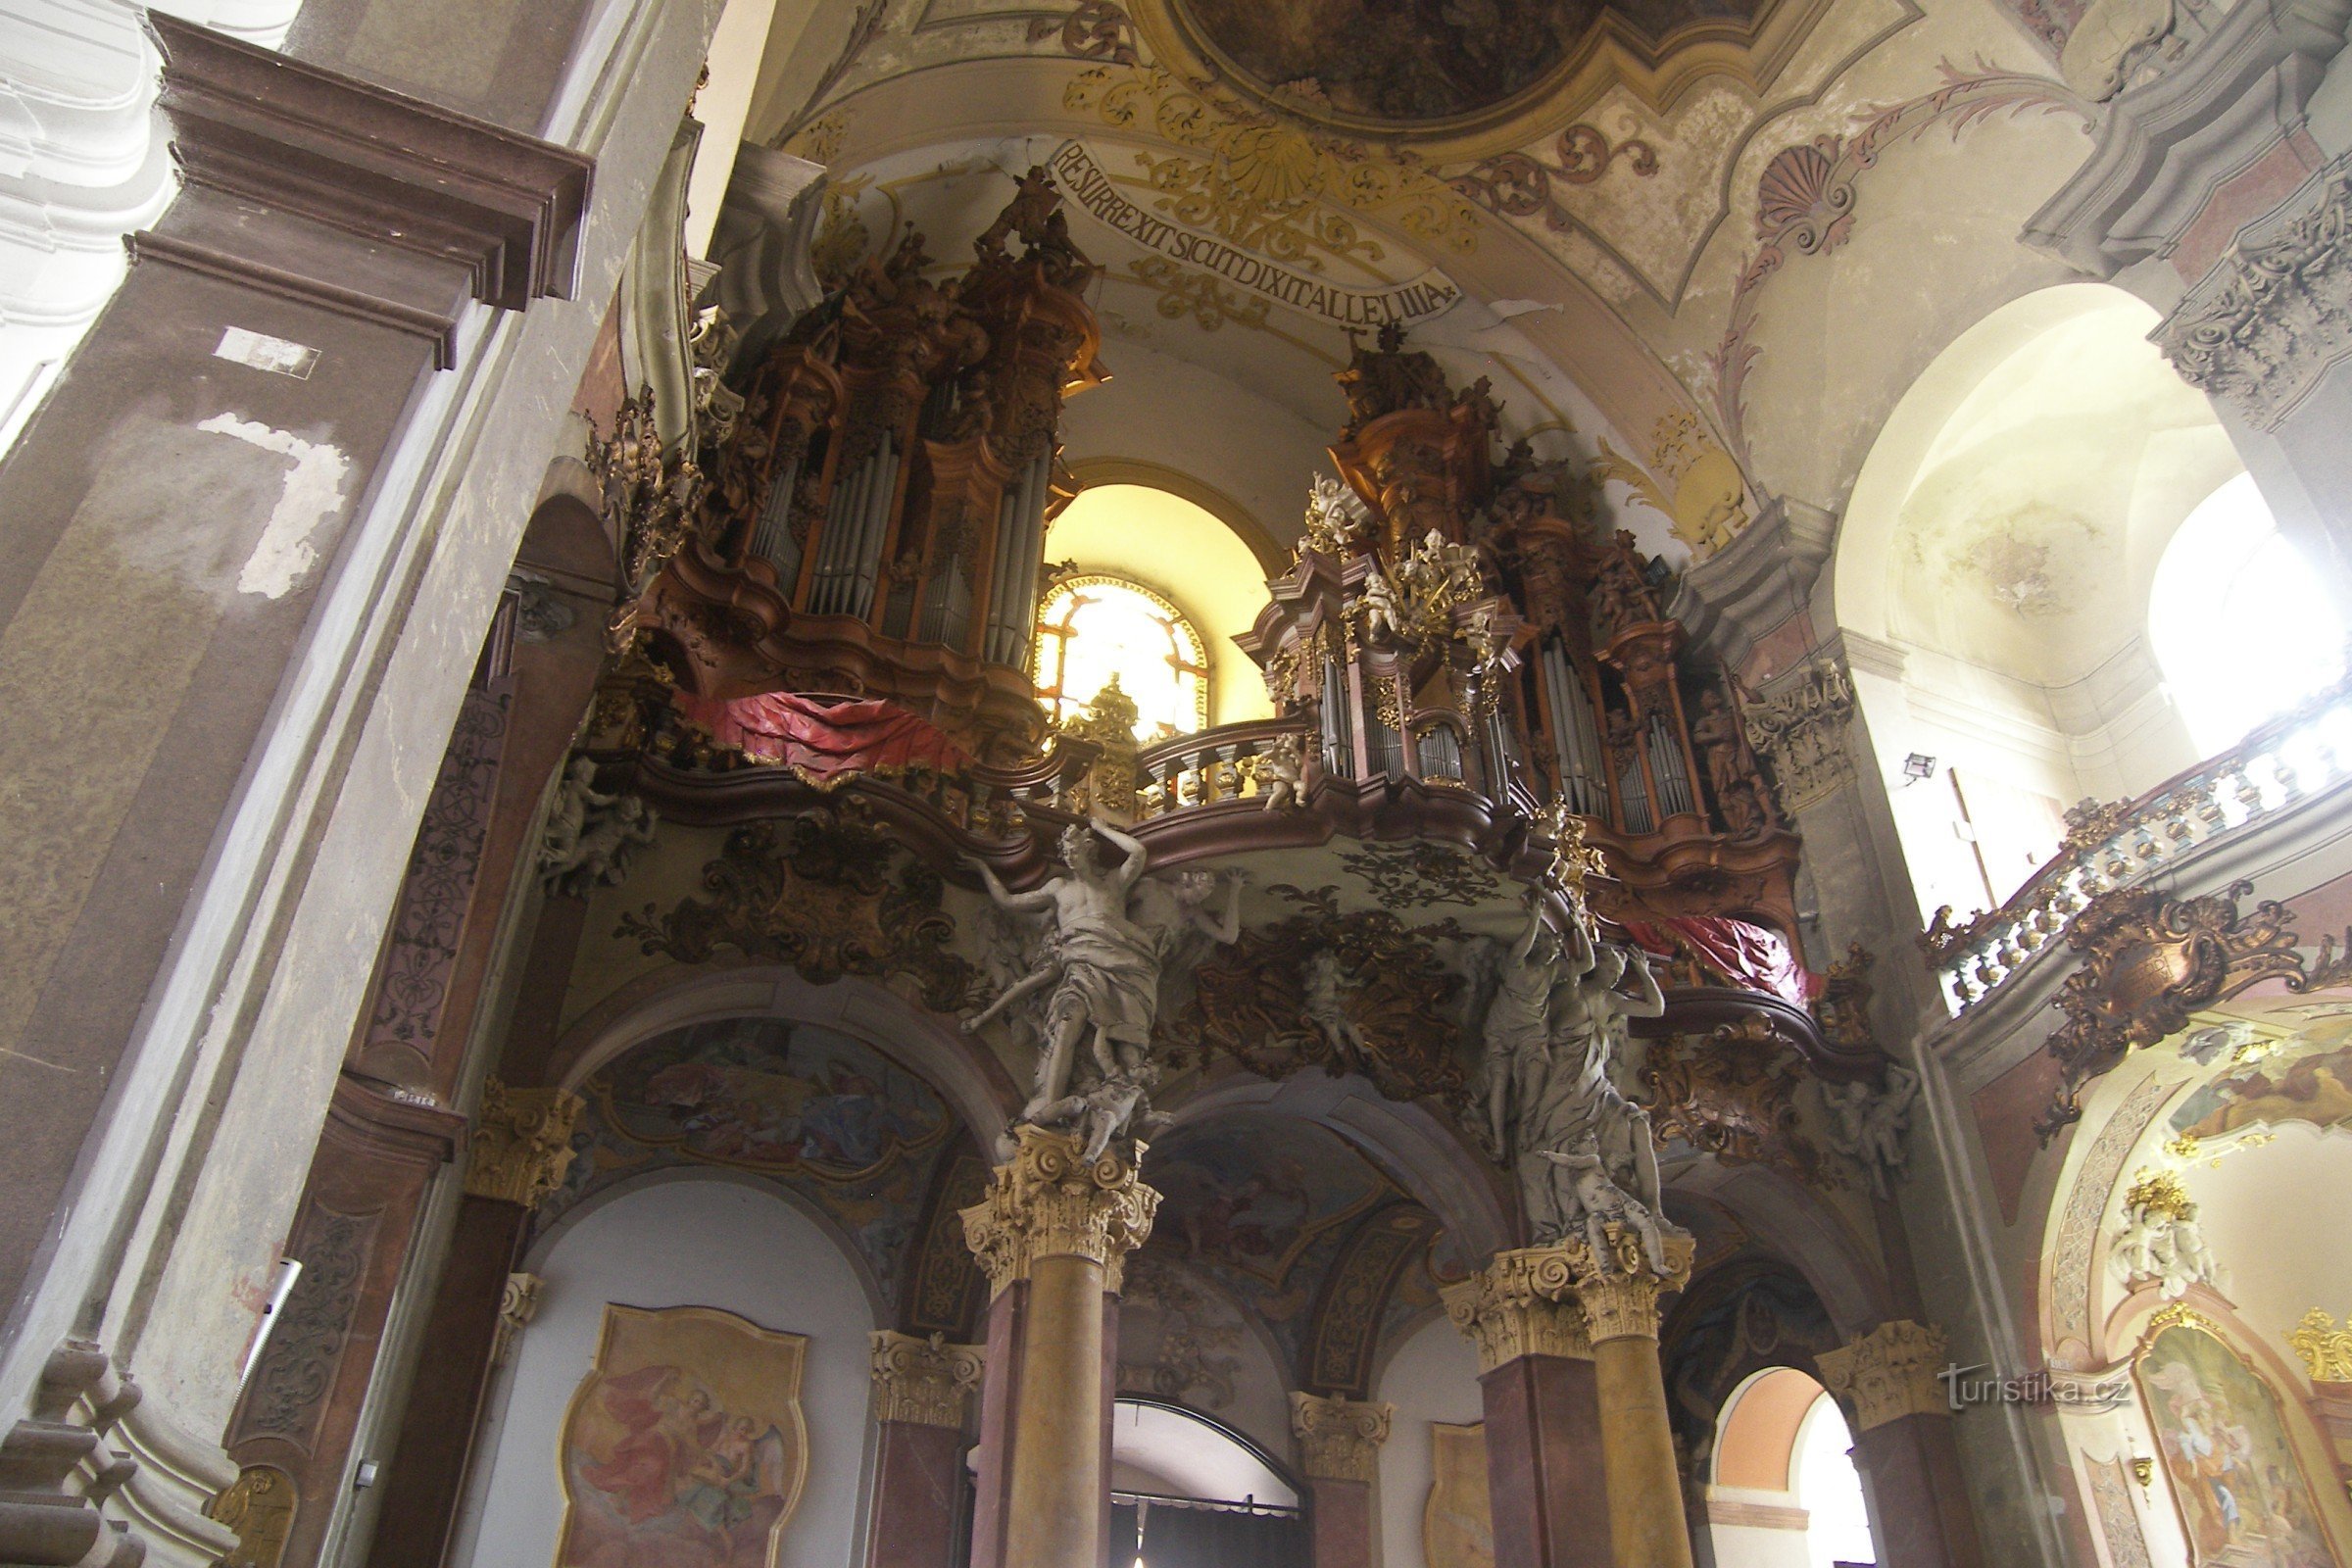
[312, 493]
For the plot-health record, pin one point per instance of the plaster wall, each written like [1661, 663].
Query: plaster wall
[691, 1242]
[1432, 1377]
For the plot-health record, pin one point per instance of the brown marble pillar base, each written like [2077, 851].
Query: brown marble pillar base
[1543, 1465]
[1345, 1525]
[919, 1494]
[1919, 1498]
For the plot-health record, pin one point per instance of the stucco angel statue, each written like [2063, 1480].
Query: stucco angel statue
[1100, 964]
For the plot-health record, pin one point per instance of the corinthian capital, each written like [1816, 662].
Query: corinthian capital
[1889, 1373]
[1049, 1202]
[521, 1143]
[924, 1382]
[1521, 1303]
[1339, 1440]
[1618, 1285]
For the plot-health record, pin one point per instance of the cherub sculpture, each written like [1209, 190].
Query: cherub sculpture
[1867, 1124]
[591, 835]
[1282, 772]
[1379, 609]
[1596, 1203]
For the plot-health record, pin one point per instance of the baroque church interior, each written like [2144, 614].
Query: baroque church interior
[1175, 783]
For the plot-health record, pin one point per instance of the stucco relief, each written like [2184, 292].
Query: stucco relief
[2086, 1206]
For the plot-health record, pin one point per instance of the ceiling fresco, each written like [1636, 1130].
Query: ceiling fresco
[1408, 63]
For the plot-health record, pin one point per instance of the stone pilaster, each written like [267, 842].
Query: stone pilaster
[521, 1144]
[1520, 1304]
[1057, 1228]
[922, 1390]
[1542, 1415]
[1339, 1454]
[1339, 1440]
[1903, 1444]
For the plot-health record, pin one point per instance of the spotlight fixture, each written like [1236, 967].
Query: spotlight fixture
[1919, 765]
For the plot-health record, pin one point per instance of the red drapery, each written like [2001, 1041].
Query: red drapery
[1756, 958]
[824, 742]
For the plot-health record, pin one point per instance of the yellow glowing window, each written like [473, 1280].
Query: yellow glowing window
[1090, 629]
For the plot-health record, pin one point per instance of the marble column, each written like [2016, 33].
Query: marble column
[1901, 1420]
[922, 1388]
[1339, 1454]
[521, 1148]
[1542, 1415]
[1619, 1292]
[1060, 1230]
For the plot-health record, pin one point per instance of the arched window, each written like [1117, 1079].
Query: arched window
[2240, 626]
[1091, 628]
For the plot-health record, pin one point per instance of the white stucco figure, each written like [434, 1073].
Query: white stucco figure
[1593, 1203]
[1280, 772]
[1107, 943]
[1867, 1124]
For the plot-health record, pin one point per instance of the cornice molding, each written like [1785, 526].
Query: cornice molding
[433, 199]
[2165, 148]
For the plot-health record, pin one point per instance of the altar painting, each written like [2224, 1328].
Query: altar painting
[2241, 1493]
[684, 1447]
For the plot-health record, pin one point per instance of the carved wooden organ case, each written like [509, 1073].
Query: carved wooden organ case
[1456, 621]
[873, 519]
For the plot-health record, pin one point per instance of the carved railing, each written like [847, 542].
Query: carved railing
[1208, 767]
[2278, 767]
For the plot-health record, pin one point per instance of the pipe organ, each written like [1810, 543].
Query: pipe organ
[874, 519]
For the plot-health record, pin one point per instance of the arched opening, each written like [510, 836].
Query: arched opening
[1187, 1493]
[1156, 546]
[1094, 629]
[1785, 1492]
[1996, 574]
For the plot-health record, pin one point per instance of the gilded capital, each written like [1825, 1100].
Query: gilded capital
[1522, 1303]
[2325, 1350]
[521, 1143]
[1048, 1201]
[1339, 1440]
[1889, 1373]
[1618, 1287]
[924, 1382]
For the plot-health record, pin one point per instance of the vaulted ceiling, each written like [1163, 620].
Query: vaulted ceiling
[1703, 244]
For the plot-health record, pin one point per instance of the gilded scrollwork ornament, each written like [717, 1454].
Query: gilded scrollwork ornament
[2325, 1350]
[2147, 962]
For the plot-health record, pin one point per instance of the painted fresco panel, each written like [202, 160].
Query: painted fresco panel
[684, 1447]
[2242, 1495]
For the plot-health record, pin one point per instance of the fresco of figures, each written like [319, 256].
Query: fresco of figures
[684, 1448]
[2242, 1494]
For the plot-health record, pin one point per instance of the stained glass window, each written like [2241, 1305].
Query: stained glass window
[1090, 629]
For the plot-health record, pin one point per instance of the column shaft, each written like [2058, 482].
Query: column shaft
[1645, 1490]
[1343, 1523]
[1057, 1495]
